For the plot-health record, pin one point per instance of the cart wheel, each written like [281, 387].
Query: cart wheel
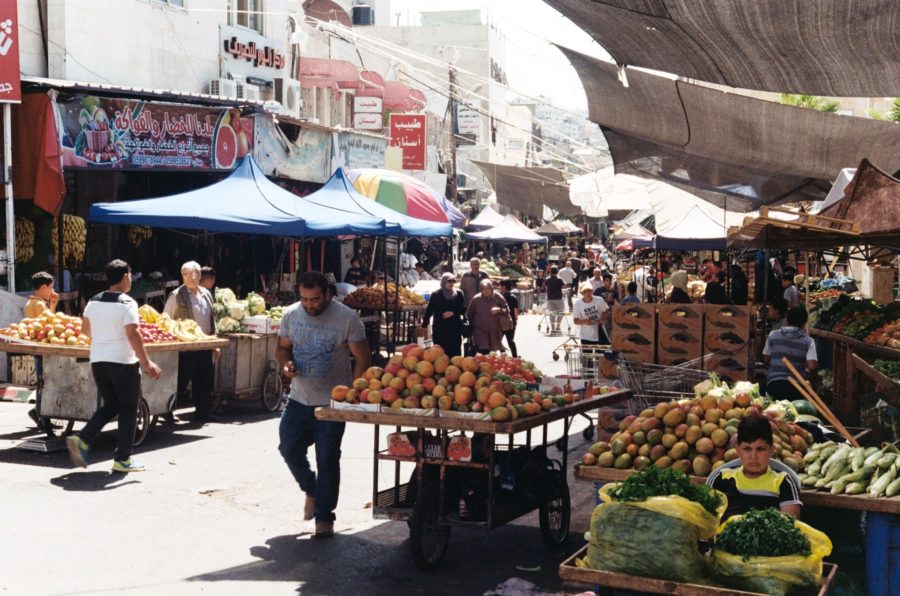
[145, 423]
[57, 427]
[556, 513]
[566, 357]
[427, 539]
[588, 433]
[272, 393]
[555, 356]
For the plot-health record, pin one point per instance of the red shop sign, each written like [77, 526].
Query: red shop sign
[408, 133]
[10, 84]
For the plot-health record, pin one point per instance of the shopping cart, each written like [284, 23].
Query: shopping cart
[651, 384]
[555, 323]
[588, 363]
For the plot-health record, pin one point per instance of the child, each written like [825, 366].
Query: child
[43, 297]
[754, 484]
[631, 298]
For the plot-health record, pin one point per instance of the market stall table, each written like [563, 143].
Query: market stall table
[65, 388]
[429, 513]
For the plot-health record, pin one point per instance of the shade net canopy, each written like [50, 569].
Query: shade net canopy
[528, 190]
[245, 202]
[817, 47]
[872, 199]
[733, 150]
[488, 218]
[511, 230]
[339, 194]
[696, 231]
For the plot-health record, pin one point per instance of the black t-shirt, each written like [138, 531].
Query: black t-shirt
[554, 286]
[355, 275]
[513, 304]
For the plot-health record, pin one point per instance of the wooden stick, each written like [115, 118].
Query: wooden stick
[807, 390]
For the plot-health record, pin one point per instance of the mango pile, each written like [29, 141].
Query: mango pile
[698, 435]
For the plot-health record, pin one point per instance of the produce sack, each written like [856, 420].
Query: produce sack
[772, 575]
[655, 538]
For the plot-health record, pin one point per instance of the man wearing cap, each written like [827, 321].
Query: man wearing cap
[589, 313]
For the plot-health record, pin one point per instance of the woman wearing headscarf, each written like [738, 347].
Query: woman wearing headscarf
[447, 307]
[679, 288]
[484, 312]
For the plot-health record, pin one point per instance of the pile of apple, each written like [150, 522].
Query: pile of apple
[56, 329]
[151, 334]
[419, 378]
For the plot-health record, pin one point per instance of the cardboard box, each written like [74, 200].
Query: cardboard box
[400, 445]
[272, 326]
[634, 346]
[17, 393]
[639, 318]
[255, 324]
[681, 317]
[342, 405]
[729, 318]
[409, 411]
[731, 367]
[471, 415]
[676, 346]
[459, 448]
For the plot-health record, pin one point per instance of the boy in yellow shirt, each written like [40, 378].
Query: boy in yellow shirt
[43, 297]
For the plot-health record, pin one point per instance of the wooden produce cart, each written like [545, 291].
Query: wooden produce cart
[65, 389]
[426, 502]
[247, 369]
[568, 570]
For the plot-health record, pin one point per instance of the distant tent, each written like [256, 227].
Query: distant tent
[696, 231]
[488, 218]
[511, 230]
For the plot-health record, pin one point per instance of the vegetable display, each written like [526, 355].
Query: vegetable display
[890, 368]
[842, 469]
[373, 298]
[641, 486]
[763, 533]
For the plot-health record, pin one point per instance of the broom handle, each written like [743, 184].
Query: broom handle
[807, 391]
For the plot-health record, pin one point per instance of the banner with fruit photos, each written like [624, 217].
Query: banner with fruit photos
[128, 134]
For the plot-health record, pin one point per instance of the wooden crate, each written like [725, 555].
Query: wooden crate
[728, 318]
[677, 347]
[681, 317]
[632, 346]
[730, 366]
[634, 331]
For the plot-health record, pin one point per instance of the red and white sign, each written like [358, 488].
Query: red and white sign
[364, 121]
[367, 105]
[408, 133]
[10, 84]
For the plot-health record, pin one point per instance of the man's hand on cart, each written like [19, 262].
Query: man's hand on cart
[217, 353]
[152, 369]
[289, 370]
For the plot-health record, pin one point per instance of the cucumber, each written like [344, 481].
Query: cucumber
[838, 486]
[837, 470]
[840, 454]
[857, 459]
[809, 481]
[874, 457]
[811, 457]
[879, 487]
[870, 450]
[814, 469]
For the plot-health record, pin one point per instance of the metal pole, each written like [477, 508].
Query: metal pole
[8, 188]
[453, 126]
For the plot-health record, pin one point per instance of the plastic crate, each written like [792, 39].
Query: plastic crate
[883, 554]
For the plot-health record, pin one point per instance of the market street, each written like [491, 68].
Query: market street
[217, 512]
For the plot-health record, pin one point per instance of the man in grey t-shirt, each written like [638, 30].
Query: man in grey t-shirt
[315, 341]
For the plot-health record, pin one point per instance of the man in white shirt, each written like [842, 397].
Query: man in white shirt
[117, 356]
[589, 313]
[192, 301]
[568, 275]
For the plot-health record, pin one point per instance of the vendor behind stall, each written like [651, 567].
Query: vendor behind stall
[43, 297]
[754, 484]
[208, 278]
[356, 274]
[793, 343]
[679, 288]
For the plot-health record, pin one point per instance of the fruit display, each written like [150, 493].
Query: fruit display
[842, 469]
[490, 268]
[138, 234]
[56, 329]
[417, 377]
[256, 304]
[698, 435]
[887, 335]
[24, 239]
[151, 334]
[822, 295]
[186, 330]
[655, 482]
[372, 298]
[514, 271]
[862, 320]
[74, 236]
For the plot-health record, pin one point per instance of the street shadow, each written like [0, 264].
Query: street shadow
[22, 434]
[92, 481]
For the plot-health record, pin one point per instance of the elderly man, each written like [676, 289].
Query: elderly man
[471, 280]
[192, 301]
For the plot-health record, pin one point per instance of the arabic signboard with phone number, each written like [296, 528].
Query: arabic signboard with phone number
[248, 54]
[100, 132]
[10, 85]
[408, 133]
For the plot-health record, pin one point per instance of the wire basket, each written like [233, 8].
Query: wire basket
[586, 362]
[655, 383]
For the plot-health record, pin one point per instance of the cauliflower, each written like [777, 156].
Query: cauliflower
[257, 304]
[220, 311]
[718, 392]
[228, 325]
[781, 410]
[237, 309]
[224, 296]
[746, 388]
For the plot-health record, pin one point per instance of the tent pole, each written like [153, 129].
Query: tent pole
[10, 211]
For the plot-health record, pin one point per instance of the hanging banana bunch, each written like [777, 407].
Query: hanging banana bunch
[24, 239]
[74, 237]
[138, 234]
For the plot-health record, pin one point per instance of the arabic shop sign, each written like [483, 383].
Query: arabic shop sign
[248, 54]
[10, 85]
[125, 134]
[408, 133]
[358, 151]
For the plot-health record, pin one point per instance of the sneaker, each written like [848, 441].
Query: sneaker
[129, 465]
[309, 508]
[324, 529]
[78, 450]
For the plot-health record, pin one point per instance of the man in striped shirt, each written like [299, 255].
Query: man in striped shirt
[793, 343]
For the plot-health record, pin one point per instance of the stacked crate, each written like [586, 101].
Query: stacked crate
[726, 341]
[680, 334]
[634, 331]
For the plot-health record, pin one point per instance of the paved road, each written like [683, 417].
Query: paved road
[218, 513]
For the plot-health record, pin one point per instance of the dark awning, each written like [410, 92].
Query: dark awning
[722, 143]
[817, 47]
[528, 190]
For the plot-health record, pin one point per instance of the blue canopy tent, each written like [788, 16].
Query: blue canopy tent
[339, 194]
[245, 202]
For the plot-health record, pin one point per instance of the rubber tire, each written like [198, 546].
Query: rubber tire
[427, 540]
[145, 423]
[555, 532]
[555, 356]
[271, 395]
[588, 433]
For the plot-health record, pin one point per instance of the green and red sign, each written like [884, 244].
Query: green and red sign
[126, 134]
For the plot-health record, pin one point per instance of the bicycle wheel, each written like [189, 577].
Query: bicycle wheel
[555, 514]
[272, 392]
[427, 539]
[145, 423]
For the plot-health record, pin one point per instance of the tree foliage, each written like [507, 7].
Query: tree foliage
[811, 102]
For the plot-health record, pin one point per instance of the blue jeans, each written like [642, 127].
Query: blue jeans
[298, 430]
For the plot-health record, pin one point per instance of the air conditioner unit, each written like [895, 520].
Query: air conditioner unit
[250, 92]
[287, 91]
[223, 88]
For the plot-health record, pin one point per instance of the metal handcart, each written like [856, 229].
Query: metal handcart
[657, 383]
[555, 323]
[584, 362]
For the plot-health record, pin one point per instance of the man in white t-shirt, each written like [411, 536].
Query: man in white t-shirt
[589, 313]
[568, 275]
[117, 356]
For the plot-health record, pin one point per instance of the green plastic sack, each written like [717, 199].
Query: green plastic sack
[773, 575]
[657, 538]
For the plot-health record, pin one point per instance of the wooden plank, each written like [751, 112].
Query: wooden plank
[859, 346]
[882, 381]
[469, 424]
[36, 349]
[569, 571]
[811, 498]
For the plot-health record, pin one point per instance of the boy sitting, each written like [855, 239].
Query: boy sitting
[754, 484]
[43, 297]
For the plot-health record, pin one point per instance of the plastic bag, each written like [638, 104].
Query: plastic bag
[625, 537]
[773, 575]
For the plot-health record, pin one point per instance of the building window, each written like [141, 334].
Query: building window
[249, 14]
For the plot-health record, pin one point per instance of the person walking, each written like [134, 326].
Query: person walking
[485, 312]
[316, 339]
[568, 275]
[513, 302]
[117, 356]
[471, 280]
[793, 343]
[447, 306]
[191, 301]
[553, 285]
[590, 313]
